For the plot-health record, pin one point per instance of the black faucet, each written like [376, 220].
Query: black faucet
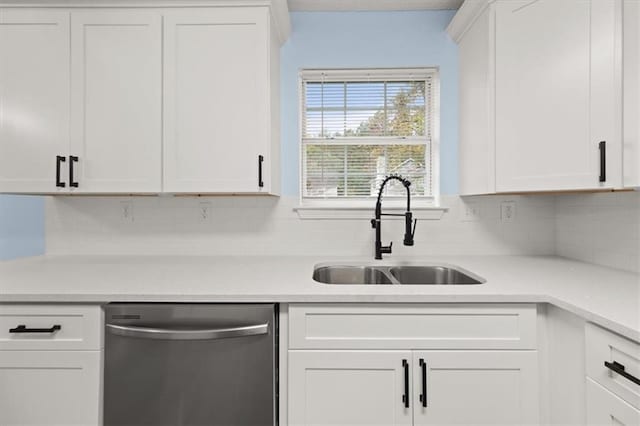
[408, 218]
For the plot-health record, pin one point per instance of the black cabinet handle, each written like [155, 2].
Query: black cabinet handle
[618, 368]
[72, 182]
[602, 146]
[260, 161]
[405, 397]
[59, 160]
[23, 329]
[423, 395]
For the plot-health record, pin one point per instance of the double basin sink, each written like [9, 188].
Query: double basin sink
[398, 275]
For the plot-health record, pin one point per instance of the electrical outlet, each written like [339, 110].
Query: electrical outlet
[508, 211]
[126, 211]
[470, 212]
[204, 212]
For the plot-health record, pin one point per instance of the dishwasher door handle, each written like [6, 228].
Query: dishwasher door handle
[181, 334]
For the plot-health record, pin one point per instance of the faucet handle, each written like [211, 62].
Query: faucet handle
[409, 231]
[386, 249]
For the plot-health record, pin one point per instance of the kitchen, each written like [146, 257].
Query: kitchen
[186, 179]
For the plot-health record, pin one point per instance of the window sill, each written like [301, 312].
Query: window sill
[362, 212]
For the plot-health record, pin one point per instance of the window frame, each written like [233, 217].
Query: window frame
[355, 204]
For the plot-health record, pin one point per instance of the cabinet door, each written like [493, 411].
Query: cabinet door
[216, 74]
[349, 388]
[631, 93]
[116, 100]
[34, 99]
[467, 387]
[556, 94]
[49, 388]
[605, 408]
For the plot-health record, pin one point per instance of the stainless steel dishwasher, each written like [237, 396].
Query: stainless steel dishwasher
[190, 364]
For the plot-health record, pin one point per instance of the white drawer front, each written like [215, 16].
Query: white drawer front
[604, 408]
[603, 345]
[412, 326]
[80, 327]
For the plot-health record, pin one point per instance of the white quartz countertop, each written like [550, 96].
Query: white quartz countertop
[605, 296]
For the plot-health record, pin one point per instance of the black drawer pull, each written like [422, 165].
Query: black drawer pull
[23, 329]
[618, 368]
[423, 395]
[602, 146]
[72, 182]
[260, 181]
[59, 159]
[405, 397]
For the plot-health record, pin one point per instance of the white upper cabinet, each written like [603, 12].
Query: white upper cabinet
[540, 95]
[217, 85]
[631, 93]
[34, 100]
[477, 147]
[556, 95]
[107, 100]
[116, 64]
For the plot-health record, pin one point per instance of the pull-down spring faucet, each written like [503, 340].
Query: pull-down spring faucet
[408, 218]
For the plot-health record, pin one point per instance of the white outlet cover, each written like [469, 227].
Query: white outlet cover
[470, 212]
[204, 212]
[508, 211]
[126, 211]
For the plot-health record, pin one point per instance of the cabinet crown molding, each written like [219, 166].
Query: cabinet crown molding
[279, 8]
[465, 17]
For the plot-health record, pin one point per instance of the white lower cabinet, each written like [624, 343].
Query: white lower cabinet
[50, 365]
[612, 370]
[475, 387]
[388, 387]
[49, 388]
[605, 408]
[349, 388]
[367, 365]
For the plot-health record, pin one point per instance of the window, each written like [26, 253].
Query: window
[359, 126]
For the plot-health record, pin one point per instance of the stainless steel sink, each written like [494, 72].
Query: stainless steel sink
[350, 275]
[441, 275]
[395, 274]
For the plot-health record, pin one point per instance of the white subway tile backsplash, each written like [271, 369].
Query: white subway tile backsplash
[596, 228]
[268, 225]
[601, 228]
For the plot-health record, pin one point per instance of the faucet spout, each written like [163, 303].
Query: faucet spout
[410, 223]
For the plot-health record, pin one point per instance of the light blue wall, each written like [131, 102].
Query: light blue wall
[21, 226]
[370, 39]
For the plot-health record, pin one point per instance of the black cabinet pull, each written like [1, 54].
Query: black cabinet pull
[423, 395]
[23, 329]
[405, 397]
[260, 161]
[72, 182]
[59, 160]
[602, 146]
[618, 368]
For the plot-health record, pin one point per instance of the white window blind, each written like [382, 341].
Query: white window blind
[359, 126]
